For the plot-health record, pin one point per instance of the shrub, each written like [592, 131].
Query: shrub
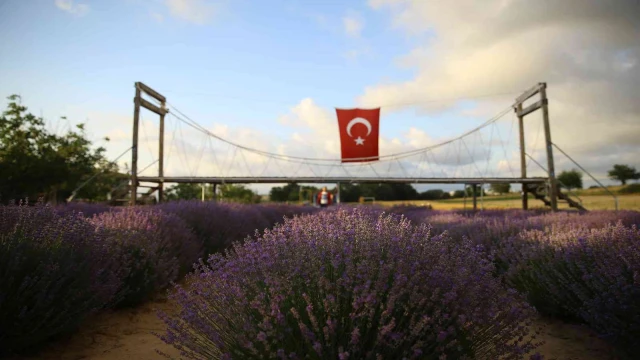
[54, 271]
[87, 210]
[588, 275]
[218, 225]
[154, 248]
[345, 284]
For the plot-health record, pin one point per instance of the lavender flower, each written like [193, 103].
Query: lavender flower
[54, 271]
[349, 284]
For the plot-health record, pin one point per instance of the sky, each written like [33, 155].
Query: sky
[268, 75]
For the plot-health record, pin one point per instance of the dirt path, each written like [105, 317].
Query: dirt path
[127, 334]
[123, 334]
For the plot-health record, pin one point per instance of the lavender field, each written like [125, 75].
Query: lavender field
[341, 283]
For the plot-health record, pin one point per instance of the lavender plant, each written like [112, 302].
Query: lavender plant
[54, 271]
[348, 285]
[88, 210]
[218, 225]
[582, 274]
[154, 247]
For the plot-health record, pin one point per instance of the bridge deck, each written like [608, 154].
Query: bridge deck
[323, 180]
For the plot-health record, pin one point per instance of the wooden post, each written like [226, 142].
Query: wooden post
[161, 156]
[553, 188]
[523, 162]
[134, 149]
[474, 188]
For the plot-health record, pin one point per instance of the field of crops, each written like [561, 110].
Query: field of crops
[344, 283]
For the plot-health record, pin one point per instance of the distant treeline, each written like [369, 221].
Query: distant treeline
[350, 192]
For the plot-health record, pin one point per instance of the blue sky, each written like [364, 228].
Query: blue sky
[243, 66]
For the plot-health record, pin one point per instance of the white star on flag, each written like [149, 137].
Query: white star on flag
[359, 141]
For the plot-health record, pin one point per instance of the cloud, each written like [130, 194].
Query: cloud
[197, 12]
[353, 25]
[72, 8]
[588, 52]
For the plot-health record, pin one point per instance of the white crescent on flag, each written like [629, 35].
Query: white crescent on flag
[359, 120]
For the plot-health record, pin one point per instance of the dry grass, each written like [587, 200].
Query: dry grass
[591, 202]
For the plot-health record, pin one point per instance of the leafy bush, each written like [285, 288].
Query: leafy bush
[345, 284]
[154, 248]
[54, 271]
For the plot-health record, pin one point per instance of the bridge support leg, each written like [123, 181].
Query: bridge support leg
[523, 163]
[474, 187]
[161, 156]
[553, 186]
[134, 148]
[215, 187]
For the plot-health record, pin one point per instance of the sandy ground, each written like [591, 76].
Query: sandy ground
[122, 334]
[127, 334]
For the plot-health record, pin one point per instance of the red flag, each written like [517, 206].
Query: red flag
[359, 132]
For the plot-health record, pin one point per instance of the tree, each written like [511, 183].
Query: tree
[623, 173]
[501, 188]
[187, 192]
[238, 193]
[479, 190]
[571, 179]
[35, 163]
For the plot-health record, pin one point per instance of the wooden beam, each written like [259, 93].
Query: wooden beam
[134, 149]
[161, 158]
[329, 180]
[149, 91]
[553, 187]
[523, 162]
[474, 188]
[531, 108]
[529, 93]
[149, 106]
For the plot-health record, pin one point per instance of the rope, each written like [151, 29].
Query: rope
[193, 124]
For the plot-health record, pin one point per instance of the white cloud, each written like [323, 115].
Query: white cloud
[586, 50]
[194, 11]
[353, 25]
[71, 7]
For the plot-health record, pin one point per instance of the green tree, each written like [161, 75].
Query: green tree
[433, 194]
[571, 179]
[501, 188]
[623, 173]
[238, 193]
[35, 163]
[469, 190]
[185, 191]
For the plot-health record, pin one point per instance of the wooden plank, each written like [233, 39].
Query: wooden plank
[529, 93]
[531, 108]
[149, 91]
[149, 106]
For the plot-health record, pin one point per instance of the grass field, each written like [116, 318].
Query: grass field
[589, 201]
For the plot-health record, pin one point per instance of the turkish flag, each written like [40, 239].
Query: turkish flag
[359, 132]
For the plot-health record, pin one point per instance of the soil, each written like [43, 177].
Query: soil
[127, 334]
